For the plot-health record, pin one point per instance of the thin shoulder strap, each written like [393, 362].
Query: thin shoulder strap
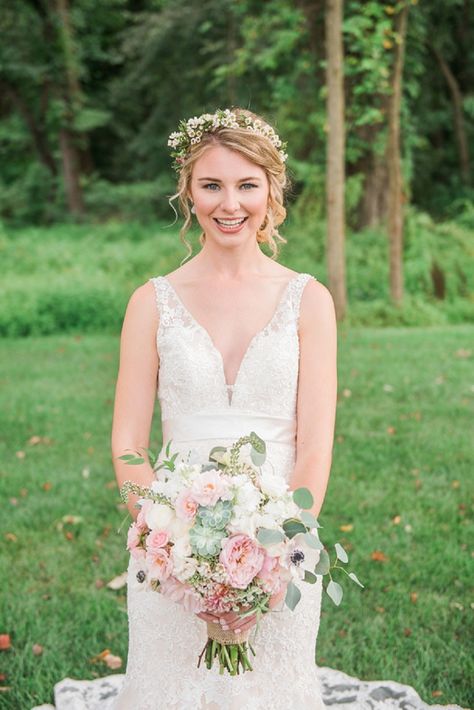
[297, 291]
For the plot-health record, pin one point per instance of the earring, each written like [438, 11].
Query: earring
[193, 209]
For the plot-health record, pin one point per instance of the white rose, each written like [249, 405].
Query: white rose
[247, 496]
[273, 485]
[179, 531]
[184, 567]
[245, 524]
[159, 516]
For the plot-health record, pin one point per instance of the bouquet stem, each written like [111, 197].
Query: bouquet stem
[230, 649]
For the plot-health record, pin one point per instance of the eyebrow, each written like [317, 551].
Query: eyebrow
[217, 179]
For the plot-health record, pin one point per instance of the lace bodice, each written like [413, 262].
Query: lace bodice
[191, 377]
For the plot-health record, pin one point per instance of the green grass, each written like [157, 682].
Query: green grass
[405, 451]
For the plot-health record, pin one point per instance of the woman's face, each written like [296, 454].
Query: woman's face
[230, 195]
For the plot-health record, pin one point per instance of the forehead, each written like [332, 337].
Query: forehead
[223, 163]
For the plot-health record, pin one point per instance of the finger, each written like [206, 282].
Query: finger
[245, 627]
[207, 616]
[243, 623]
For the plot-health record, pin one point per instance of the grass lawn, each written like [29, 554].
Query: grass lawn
[401, 487]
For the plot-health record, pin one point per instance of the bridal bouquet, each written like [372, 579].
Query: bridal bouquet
[222, 535]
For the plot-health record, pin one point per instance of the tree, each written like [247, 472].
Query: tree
[335, 177]
[395, 187]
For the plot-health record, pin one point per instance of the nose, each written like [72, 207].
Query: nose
[230, 201]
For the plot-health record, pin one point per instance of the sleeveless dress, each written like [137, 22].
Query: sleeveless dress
[200, 410]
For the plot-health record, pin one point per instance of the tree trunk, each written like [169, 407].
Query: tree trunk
[395, 186]
[373, 204]
[36, 130]
[458, 116]
[335, 176]
[72, 96]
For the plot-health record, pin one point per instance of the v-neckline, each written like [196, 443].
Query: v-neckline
[214, 347]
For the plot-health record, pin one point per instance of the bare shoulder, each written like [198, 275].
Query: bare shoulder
[317, 306]
[142, 307]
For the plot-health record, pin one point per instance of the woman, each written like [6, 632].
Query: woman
[235, 342]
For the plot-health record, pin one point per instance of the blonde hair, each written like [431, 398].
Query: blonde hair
[259, 150]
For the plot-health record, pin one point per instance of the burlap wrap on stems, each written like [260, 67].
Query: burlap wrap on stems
[217, 633]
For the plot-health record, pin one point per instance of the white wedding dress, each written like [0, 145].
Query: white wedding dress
[200, 410]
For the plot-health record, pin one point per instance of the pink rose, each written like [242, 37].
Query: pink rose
[208, 487]
[182, 594]
[242, 558]
[159, 564]
[134, 542]
[157, 539]
[270, 574]
[185, 505]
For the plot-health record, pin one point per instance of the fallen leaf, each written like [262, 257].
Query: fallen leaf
[379, 556]
[462, 352]
[407, 632]
[414, 597]
[20, 454]
[47, 486]
[396, 520]
[436, 693]
[346, 528]
[408, 528]
[112, 661]
[37, 649]
[23, 492]
[69, 535]
[380, 609]
[455, 484]
[99, 583]
[118, 582]
[346, 392]
[391, 430]
[5, 642]
[86, 472]
[108, 658]
[11, 537]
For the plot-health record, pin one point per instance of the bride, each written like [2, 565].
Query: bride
[230, 342]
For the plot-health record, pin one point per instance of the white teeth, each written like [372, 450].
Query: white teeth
[230, 222]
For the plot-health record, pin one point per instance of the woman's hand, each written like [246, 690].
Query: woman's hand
[232, 621]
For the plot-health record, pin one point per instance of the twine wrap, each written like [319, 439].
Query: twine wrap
[217, 633]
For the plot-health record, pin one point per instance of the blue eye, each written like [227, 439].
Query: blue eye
[210, 185]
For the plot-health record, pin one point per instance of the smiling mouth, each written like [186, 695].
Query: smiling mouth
[236, 222]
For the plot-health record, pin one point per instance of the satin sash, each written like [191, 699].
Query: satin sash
[228, 425]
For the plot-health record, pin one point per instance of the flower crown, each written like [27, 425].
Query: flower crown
[191, 131]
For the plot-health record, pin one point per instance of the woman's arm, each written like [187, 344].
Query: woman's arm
[317, 392]
[135, 390]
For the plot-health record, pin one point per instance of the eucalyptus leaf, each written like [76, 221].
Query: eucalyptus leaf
[309, 519]
[353, 576]
[258, 457]
[216, 453]
[127, 457]
[341, 553]
[293, 595]
[269, 537]
[323, 564]
[313, 541]
[257, 443]
[136, 462]
[334, 590]
[309, 577]
[292, 527]
[303, 498]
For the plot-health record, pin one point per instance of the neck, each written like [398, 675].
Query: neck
[231, 263]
